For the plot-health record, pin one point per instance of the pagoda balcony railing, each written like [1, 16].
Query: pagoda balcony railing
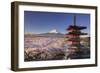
[71, 36]
[77, 33]
[75, 45]
[74, 39]
[73, 30]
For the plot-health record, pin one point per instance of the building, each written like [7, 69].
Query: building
[74, 50]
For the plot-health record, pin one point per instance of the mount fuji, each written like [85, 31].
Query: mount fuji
[52, 33]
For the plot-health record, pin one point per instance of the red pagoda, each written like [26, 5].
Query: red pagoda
[74, 46]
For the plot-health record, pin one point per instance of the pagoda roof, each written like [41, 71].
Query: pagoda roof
[74, 39]
[75, 27]
[76, 33]
[76, 45]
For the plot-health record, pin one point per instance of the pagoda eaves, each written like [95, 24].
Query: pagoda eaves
[75, 27]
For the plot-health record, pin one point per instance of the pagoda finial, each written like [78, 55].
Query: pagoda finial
[74, 20]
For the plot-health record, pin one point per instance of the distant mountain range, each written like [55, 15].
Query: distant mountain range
[46, 35]
[52, 33]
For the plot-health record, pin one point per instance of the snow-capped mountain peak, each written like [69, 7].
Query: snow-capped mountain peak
[53, 31]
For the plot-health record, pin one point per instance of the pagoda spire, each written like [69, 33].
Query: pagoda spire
[74, 20]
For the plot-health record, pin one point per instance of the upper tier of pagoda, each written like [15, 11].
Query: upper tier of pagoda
[76, 33]
[75, 30]
[75, 27]
[72, 27]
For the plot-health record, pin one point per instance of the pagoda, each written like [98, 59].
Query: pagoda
[73, 40]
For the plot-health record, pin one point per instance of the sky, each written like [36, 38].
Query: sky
[43, 22]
